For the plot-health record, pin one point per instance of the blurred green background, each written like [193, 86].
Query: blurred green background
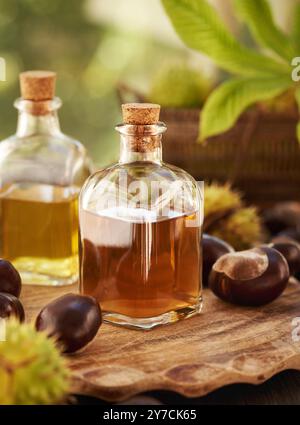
[94, 45]
[91, 55]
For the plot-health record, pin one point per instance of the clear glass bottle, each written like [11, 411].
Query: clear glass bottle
[141, 227]
[41, 173]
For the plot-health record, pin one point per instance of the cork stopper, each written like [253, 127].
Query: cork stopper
[140, 113]
[37, 85]
[139, 116]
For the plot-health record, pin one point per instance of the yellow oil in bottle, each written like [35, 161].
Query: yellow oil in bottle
[39, 232]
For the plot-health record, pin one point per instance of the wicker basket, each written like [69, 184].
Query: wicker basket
[259, 155]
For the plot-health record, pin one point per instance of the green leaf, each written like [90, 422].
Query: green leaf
[296, 28]
[257, 14]
[298, 132]
[297, 96]
[200, 27]
[231, 98]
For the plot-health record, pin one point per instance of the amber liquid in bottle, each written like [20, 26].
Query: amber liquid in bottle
[142, 269]
[39, 231]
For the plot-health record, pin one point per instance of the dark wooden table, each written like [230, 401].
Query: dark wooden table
[281, 389]
[241, 349]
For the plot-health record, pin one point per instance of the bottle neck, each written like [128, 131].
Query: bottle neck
[37, 117]
[141, 143]
[128, 153]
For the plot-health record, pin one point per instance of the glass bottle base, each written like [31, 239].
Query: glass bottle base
[29, 278]
[47, 272]
[147, 323]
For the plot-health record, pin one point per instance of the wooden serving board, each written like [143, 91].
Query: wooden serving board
[225, 344]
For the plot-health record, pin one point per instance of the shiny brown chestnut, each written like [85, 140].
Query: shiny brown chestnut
[73, 320]
[213, 249]
[10, 280]
[290, 249]
[252, 278]
[282, 216]
[11, 306]
[290, 233]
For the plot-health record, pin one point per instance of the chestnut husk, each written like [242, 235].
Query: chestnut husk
[255, 290]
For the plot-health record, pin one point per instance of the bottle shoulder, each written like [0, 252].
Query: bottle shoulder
[146, 186]
[42, 141]
[180, 173]
[55, 158]
[147, 171]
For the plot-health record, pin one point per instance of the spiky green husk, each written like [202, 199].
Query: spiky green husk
[242, 229]
[32, 370]
[179, 86]
[220, 198]
[229, 219]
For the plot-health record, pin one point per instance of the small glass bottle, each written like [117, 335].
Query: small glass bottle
[41, 173]
[141, 227]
